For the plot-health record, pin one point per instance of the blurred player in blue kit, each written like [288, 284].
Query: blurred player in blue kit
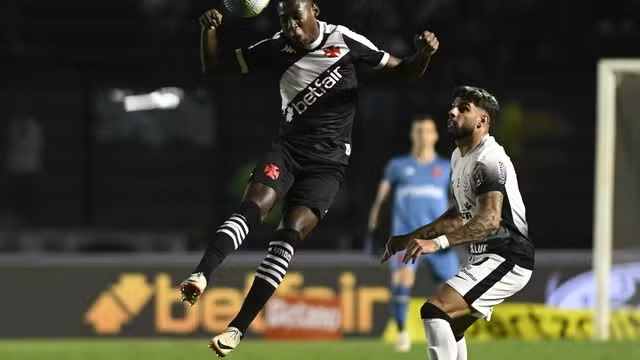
[421, 185]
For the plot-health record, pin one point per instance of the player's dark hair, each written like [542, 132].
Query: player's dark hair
[480, 98]
[422, 117]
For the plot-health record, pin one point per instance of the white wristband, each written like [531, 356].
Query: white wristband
[442, 242]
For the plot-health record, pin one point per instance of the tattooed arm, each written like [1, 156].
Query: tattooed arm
[448, 222]
[445, 224]
[482, 225]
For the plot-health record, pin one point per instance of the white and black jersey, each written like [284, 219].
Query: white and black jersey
[488, 168]
[318, 87]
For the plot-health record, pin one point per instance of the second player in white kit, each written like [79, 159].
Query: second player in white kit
[500, 264]
[488, 217]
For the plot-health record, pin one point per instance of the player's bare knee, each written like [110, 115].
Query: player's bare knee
[451, 302]
[263, 196]
[437, 302]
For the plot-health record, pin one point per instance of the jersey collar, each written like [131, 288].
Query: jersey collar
[485, 139]
[315, 43]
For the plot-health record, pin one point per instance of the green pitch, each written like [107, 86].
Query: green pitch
[346, 350]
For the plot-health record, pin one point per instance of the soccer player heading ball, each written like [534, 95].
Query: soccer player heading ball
[488, 216]
[307, 161]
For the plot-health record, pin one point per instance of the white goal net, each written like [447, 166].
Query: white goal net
[617, 191]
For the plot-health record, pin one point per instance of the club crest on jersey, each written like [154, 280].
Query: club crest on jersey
[314, 92]
[466, 184]
[331, 51]
[436, 172]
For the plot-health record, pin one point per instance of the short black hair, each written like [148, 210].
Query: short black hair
[480, 98]
[423, 117]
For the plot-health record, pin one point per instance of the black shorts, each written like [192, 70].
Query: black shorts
[309, 183]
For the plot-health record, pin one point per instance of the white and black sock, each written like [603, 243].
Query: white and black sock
[229, 237]
[269, 275]
[437, 327]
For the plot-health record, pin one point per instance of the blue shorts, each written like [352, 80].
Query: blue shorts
[443, 264]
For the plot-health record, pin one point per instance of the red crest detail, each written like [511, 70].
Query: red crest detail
[332, 51]
[272, 171]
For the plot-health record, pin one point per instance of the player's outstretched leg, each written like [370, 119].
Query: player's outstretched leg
[257, 202]
[297, 223]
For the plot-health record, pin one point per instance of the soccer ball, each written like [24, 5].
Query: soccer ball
[246, 8]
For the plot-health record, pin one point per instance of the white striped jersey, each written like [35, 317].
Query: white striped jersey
[488, 168]
[318, 88]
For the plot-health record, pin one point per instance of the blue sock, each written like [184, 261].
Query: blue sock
[399, 302]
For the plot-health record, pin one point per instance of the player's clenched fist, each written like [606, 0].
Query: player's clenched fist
[211, 19]
[427, 42]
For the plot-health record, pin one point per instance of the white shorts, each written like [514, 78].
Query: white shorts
[487, 280]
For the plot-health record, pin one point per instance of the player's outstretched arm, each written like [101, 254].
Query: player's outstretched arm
[485, 223]
[210, 58]
[414, 67]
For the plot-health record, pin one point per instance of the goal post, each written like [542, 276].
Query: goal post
[609, 76]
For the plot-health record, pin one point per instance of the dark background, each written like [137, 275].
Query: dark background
[79, 173]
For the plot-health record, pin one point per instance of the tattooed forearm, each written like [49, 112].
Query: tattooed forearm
[482, 225]
[445, 224]
[476, 229]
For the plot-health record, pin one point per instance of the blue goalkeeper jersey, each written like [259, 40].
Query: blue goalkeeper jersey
[421, 191]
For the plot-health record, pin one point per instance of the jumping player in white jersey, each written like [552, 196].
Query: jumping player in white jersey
[489, 217]
[306, 164]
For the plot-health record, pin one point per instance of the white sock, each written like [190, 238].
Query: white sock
[462, 349]
[442, 343]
